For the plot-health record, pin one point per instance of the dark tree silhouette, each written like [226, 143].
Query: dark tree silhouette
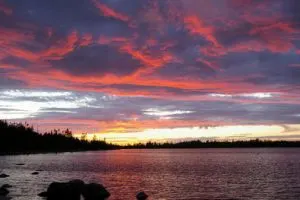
[18, 138]
[216, 144]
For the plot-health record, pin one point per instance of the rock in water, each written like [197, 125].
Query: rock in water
[141, 196]
[43, 194]
[4, 198]
[94, 191]
[3, 191]
[20, 164]
[77, 184]
[3, 175]
[6, 186]
[73, 190]
[34, 173]
[62, 191]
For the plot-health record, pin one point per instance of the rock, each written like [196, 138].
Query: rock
[3, 175]
[77, 184]
[94, 191]
[34, 173]
[20, 164]
[141, 196]
[74, 190]
[3, 191]
[65, 191]
[43, 194]
[4, 198]
[6, 186]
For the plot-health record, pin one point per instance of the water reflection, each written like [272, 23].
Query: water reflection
[164, 174]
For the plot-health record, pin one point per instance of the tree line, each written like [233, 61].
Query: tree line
[18, 138]
[255, 143]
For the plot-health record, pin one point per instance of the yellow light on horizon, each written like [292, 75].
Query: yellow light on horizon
[242, 132]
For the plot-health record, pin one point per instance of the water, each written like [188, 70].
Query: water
[191, 174]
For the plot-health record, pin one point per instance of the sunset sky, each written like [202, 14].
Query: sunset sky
[163, 70]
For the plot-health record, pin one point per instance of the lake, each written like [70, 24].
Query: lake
[191, 174]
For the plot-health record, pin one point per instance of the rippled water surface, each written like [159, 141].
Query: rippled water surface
[164, 174]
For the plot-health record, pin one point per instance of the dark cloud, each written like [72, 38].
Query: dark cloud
[99, 60]
[8, 83]
[57, 13]
[15, 61]
[118, 58]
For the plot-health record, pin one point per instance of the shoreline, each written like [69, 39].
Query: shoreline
[159, 148]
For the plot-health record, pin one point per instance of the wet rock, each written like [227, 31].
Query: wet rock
[141, 196]
[6, 186]
[34, 173]
[75, 190]
[3, 175]
[20, 164]
[77, 184]
[5, 198]
[43, 194]
[94, 191]
[3, 191]
[65, 191]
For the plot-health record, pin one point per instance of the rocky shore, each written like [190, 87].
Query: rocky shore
[71, 190]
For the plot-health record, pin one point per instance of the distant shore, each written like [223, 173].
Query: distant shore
[16, 138]
[182, 145]
[217, 144]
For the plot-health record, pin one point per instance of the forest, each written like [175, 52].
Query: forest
[18, 138]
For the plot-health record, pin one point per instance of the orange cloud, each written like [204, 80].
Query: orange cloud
[86, 40]
[276, 35]
[150, 62]
[12, 37]
[196, 26]
[109, 12]
[272, 36]
[211, 65]
[61, 48]
[22, 53]
[104, 40]
[146, 59]
[140, 125]
[117, 126]
[55, 78]
[9, 40]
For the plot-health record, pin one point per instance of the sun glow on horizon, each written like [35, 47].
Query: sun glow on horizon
[238, 132]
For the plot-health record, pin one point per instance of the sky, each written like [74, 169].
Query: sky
[161, 70]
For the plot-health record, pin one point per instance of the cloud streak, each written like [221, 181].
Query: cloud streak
[175, 53]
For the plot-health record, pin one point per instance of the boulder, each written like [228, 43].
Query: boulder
[64, 191]
[3, 191]
[77, 184]
[3, 175]
[43, 194]
[20, 164]
[6, 186]
[94, 191]
[74, 190]
[4, 198]
[141, 196]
